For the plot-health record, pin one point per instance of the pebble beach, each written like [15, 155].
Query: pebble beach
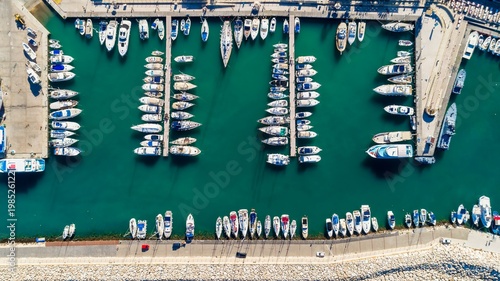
[440, 262]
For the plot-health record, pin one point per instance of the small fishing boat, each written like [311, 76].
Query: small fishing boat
[66, 151]
[306, 73]
[233, 218]
[423, 216]
[276, 226]
[142, 226]
[65, 234]
[272, 27]
[432, 218]
[157, 53]
[341, 37]
[329, 228]
[374, 224]
[293, 228]
[184, 59]
[32, 42]
[305, 227]
[183, 141]
[204, 31]
[259, 229]
[161, 29]
[453, 217]
[306, 59]
[416, 218]
[408, 220]
[132, 226]
[65, 125]
[297, 25]
[80, 25]
[243, 220]
[351, 35]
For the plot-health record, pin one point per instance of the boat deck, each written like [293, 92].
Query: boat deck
[168, 60]
[293, 124]
[25, 113]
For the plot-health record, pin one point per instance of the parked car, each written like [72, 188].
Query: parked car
[445, 241]
[320, 254]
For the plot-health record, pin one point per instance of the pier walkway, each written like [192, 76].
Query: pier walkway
[168, 79]
[291, 84]
[25, 110]
[438, 52]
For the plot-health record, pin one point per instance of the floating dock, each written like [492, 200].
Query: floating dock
[168, 71]
[291, 84]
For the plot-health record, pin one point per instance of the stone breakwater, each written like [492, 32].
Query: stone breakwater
[442, 262]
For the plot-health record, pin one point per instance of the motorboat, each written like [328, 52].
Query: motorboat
[154, 59]
[60, 59]
[306, 73]
[184, 150]
[27, 49]
[461, 214]
[278, 103]
[149, 117]
[447, 128]
[286, 27]
[132, 226]
[183, 141]
[408, 220]
[218, 227]
[399, 110]
[416, 218]
[34, 66]
[123, 37]
[459, 82]
[89, 29]
[183, 77]
[306, 134]
[184, 59]
[274, 120]
[293, 228]
[160, 226]
[65, 125]
[254, 31]
[65, 234]
[151, 143]
[329, 227]
[351, 35]
[391, 137]
[243, 221]
[303, 127]
[285, 225]
[308, 150]
[33, 76]
[305, 225]
[486, 43]
[181, 115]
[61, 94]
[394, 90]
[277, 111]
[226, 224]
[403, 53]
[401, 79]
[296, 25]
[485, 205]
[277, 95]
[182, 25]
[226, 42]
[181, 105]
[398, 26]
[374, 224]
[476, 215]
[80, 25]
[394, 69]
[64, 142]
[148, 128]
[309, 158]
[401, 60]
[67, 151]
[259, 229]
[153, 80]
[152, 87]
[472, 43]
[432, 218]
[300, 66]
[366, 213]
[56, 52]
[58, 105]
[247, 27]
[174, 29]
[278, 159]
[154, 72]
[405, 43]
[361, 31]
[335, 224]
[276, 226]
[307, 102]
[168, 224]
[61, 68]
[453, 217]
[234, 223]
[423, 216]
[161, 29]
[390, 151]
[238, 32]
[142, 228]
[272, 26]
[187, 27]
[184, 125]
[204, 31]
[307, 95]
[60, 134]
[276, 141]
[308, 86]
[55, 45]
[303, 114]
[189, 227]
[148, 151]
[279, 60]
[103, 26]
[305, 59]
[252, 223]
[264, 28]
[150, 108]
[184, 96]
[303, 79]
[391, 220]
[154, 137]
[65, 114]
[267, 226]
[151, 101]
[491, 49]
[153, 66]
[341, 37]
[22, 165]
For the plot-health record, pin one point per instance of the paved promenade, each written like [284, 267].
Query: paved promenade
[26, 114]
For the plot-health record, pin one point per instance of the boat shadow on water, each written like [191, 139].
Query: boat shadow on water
[387, 168]
[181, 161]
[23, 182]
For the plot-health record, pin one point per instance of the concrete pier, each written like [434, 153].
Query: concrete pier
[25, 113]
[168, 72]
[291, 84]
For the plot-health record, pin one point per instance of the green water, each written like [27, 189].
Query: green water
[109, 184]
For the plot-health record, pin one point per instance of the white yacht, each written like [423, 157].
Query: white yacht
[174, 30]
[238, 32]
[123, 37]
[394, 90]
[471, 45]
[167, 224]
[148, 151]
[351, 35]
[161, 29]
[264, 28]
[309, 158]
[272, 26]
[361, 31]
[184, 150]
[148, 128]
[160, 226]
[243, 221]
[226, 42]
[189, 227]
[103, 26]
[62, 94]
[398, 26]
[255, 28]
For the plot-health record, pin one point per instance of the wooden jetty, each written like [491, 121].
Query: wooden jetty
[168, 71]
[291, 84]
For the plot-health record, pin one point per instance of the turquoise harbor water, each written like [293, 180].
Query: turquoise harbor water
[108, 185]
